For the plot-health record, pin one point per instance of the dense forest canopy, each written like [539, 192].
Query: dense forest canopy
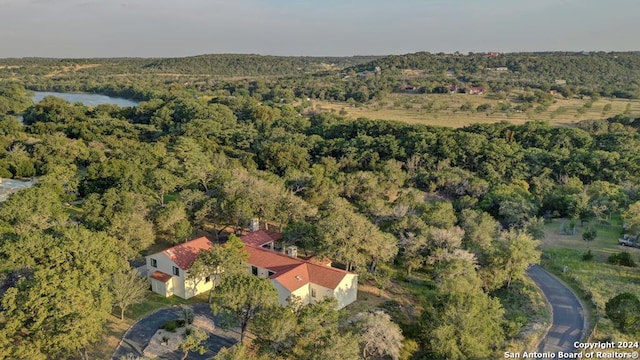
[457, 211]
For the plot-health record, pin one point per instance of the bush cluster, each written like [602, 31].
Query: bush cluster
[622, 258]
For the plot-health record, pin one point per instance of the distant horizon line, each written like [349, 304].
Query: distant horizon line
[458, 53]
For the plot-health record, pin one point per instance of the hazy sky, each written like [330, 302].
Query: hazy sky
[154, 28]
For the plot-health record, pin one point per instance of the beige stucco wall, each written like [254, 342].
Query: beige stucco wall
[347, 291]
[283, 293]
[320, 291]
[195, 287]
[303, 293]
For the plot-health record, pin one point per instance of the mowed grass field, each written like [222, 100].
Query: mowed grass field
[596, 279]
[444, 109]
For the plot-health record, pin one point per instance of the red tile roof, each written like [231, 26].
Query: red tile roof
[274, 261]
[293, 273]
[160, 276]
[260, 237]
[184, 254]
[293, 279]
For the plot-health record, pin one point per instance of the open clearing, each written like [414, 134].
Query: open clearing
[444, 109]
[596, 279]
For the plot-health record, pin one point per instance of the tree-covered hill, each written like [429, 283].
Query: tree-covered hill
[212, 65]
[613, 73]
[246, 65]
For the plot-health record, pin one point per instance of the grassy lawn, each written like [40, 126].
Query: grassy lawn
[596, 280]
[444, 110]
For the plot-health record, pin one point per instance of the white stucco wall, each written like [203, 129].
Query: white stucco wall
[176, 285]
[159, 287]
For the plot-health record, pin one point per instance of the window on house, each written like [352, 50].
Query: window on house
[176, 271]
[271, 273]
[207, 279]
[313, 292]
[254, 270]
[154, 263]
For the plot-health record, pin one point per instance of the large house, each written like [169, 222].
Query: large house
[307, 279]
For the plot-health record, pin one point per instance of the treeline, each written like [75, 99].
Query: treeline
[210, 65]
[358, 79]
[605, 74]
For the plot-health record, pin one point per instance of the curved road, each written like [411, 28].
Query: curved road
[140, 333]
[568, 315]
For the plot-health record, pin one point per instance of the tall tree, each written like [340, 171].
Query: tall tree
[128, 288]
[515, 251]
[193, 338]
[240, 298]
[351, 238]
[161, 181]
[461, 326]
[378, 336]
[218, 262]
[60, 309]
[236, 352]
[631, 218]
[305, 332]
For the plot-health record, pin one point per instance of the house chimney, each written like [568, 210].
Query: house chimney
[292, 251]
[255, 225]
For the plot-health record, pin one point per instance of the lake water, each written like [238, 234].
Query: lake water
[9, 186]
[84, 98]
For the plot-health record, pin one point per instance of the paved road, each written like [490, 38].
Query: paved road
[568, 314]
[139, 335]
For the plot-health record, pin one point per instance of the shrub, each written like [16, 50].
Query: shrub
[188, 331]
[622, 310]
[171, 326]
[588, 256]
[590, 233]
[513, 324]
[187, 315]
[622, 258]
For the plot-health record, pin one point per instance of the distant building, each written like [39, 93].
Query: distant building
[453, 89]
[408, 87]
[560, 82]
[476, 90]
[501, 68]
[493, 54]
